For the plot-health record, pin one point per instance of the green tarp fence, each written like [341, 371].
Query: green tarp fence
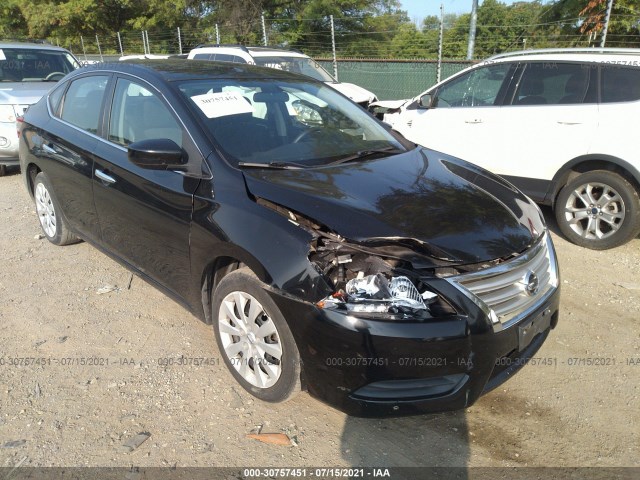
[388, 79]
[393, 79]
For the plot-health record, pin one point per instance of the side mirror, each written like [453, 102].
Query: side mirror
[425, 101]
[156, 154]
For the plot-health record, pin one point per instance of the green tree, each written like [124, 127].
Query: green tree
[12, 22]
[410, 42]
[580, 22]
[360, 25]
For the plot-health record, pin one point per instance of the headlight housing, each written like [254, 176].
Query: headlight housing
[379, 296]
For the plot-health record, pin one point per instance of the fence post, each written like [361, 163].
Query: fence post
[333, 49]
[603, 40]
[265, 40]
[144, 44]
[472, 30]
[120, 45]
[146, 34]
[179, 41]
[83, 50]
[99, 49]
[217, 35]
[440, 44]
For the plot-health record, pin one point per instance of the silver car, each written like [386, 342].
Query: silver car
[27, 72]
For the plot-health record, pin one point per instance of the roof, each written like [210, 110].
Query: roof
[178, 70]
[267, 51]
[38, 46]
[622, 56]
[255, 51]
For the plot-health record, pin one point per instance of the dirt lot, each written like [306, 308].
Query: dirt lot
[569, 412]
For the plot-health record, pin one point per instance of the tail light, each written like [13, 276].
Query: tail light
[19, 123]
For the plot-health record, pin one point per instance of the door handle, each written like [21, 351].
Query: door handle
[106, 179]
[47, 149]
[473, 120]
[569, 123]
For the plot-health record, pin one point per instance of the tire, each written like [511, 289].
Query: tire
[242, 333]
[3, 170]
[598, 210]
[49, 213]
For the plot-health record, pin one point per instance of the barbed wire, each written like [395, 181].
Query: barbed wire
[366, 43]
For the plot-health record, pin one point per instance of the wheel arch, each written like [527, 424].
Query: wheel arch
[219, 267]
[589, 163]
[31, 170]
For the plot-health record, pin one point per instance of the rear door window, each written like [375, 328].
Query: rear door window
[82, 103]
[554, 83]
[55, 98]
[620, 84]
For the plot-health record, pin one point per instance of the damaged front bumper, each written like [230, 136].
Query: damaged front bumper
[371, 367]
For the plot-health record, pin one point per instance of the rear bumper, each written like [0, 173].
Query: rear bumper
[374, 368]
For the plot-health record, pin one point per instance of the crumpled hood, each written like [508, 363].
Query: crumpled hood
[422, 196]
[23, 93]
[354, 92]
[389, 104]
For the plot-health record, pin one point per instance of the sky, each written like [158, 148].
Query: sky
[418, 9]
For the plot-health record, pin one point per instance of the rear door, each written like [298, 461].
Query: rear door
[145, 214]
[67, 147]
[619, 107]
[551, 118]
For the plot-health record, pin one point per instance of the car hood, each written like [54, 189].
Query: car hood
[354, 92]
[389, 105]
[23, 93]
[421, 197]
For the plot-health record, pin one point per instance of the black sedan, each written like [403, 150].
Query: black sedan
[326, 251]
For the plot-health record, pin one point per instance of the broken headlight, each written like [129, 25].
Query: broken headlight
[378, 295]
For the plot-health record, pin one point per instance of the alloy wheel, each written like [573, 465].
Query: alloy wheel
[250, 339]
[594, 211]
[46, 212]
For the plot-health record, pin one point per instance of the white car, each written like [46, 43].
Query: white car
[281, 59]
[559, 124]
[27, 72]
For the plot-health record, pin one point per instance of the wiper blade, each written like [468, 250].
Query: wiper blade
[366, 153]
[274, 165]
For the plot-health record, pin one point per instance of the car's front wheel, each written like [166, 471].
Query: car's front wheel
[49, 213]
[254, 338]
[598, 210]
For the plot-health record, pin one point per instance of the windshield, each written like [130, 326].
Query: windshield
[34, 65]
[272, 121]
[301, 65]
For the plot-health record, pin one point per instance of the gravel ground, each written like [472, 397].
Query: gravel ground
[571, 411]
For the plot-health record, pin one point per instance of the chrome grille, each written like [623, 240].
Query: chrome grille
[513, 288]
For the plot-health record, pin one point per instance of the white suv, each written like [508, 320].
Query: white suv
[558, 124]
[281, 59]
